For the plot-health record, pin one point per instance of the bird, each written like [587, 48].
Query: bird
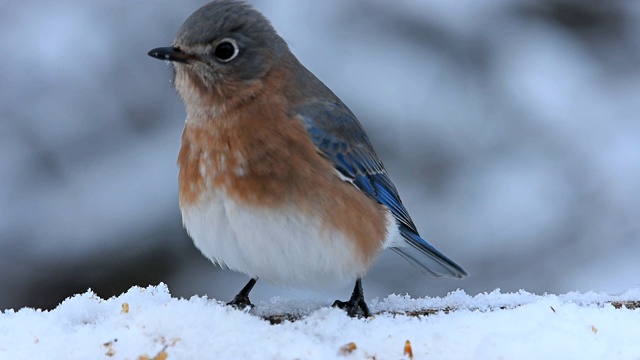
[277, 178]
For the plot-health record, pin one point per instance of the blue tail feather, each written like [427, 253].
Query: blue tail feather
[427, 258]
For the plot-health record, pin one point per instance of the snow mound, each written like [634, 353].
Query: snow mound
[147, 323]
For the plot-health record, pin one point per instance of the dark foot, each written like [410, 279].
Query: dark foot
[356, 305]
[241, 301]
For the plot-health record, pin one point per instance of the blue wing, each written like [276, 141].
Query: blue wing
[338, 135]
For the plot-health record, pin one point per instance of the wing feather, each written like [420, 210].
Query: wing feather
[338, 136]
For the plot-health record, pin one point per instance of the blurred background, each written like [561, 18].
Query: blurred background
[510, 127]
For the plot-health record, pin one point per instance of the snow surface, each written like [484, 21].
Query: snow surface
[148, 323]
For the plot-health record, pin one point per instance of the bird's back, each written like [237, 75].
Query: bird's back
[338, 136]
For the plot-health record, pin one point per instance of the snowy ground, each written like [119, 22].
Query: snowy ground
[148, 323]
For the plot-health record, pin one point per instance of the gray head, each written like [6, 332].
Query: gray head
[223, 47]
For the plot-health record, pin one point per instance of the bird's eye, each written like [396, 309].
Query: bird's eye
[226, 50]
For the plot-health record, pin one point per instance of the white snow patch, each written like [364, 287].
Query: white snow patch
[148, 322]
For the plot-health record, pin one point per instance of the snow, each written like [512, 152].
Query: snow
[148, 323]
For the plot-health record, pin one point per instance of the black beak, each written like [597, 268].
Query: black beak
[170, 53]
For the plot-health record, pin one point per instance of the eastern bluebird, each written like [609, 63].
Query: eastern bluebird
[278, 180]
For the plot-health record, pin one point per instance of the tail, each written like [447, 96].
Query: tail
[429, 260]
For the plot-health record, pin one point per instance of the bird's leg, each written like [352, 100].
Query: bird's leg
[355, 303]
[241, 301]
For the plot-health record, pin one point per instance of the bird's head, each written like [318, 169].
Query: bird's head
[221, 54]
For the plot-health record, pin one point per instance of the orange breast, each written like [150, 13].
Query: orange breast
[263, 158]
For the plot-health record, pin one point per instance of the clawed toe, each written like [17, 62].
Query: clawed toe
[356, 305]
[241, 301]
[353, 308]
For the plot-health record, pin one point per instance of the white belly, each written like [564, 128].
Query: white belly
[282, 246]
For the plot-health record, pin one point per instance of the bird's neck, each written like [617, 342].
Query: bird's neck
[215, 101]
